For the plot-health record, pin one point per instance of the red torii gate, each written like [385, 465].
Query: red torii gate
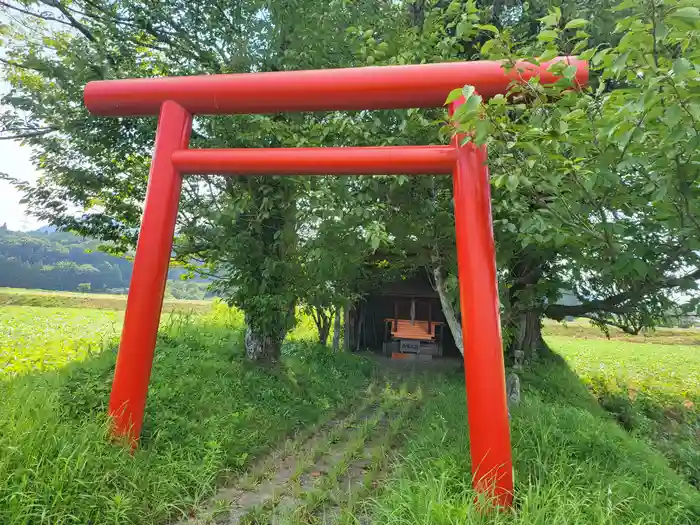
[177, 99]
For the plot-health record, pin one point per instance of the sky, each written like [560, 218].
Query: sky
[15, 161]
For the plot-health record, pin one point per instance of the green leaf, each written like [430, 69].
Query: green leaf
[620, 62]
[490, 28]
[481, 131]
[548, 55]
[690, 15]
[468, 91]
[589, 182]
[570, 71]
[600, 56]
[473, 103]
[575, 114]
[681, 66]
[530, 147]
[548, 35]
[552, 18]
[513, 182]
[455, 94]
[673, 115]
[576, 23]
[487, 46]
[640, 267]
[464, 29]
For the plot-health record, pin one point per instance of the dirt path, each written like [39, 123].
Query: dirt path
[321, 477]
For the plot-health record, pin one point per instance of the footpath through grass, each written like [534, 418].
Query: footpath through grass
[209, 414]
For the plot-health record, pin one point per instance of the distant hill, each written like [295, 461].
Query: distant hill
[48, 259]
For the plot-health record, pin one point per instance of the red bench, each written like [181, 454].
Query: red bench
[417, 330]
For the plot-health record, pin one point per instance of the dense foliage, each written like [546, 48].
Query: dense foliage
[601, 188]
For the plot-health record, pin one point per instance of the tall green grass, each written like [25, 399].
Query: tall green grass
[209, 414]
[573, 464]
[596, 443]
[653, 391]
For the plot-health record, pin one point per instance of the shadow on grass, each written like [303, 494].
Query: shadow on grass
[209, 412]
[573, 463]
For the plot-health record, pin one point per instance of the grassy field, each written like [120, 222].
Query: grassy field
[653, 391]
[608, 434]
[209, 415]
[583, 329]
[98, 301]
[38, 339]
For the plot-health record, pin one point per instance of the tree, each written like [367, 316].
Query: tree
[56, 47]
[599, 189]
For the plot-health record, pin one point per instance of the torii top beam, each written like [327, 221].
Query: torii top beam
[365, 88]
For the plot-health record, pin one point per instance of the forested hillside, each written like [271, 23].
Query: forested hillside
[51, 260]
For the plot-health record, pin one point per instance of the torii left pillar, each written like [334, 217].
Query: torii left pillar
[135, 358]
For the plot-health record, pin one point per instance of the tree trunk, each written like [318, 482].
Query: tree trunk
[526, 338]
[263, 348]
[349, 334]
[523, 316]
[324, 330]
[447, 309]
[336, 328]
[360, 326]
[322, 319]
[267, 347]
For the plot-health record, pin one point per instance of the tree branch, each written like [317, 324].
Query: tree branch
[614, 304]
[21, 66]
[28, 134]
[73, 21]
[600, 320]
[35, 15]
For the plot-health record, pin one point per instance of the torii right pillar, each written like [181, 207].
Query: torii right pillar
[489, 429]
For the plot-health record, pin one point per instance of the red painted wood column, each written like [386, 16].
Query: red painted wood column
[489, 430]
[130, 387]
